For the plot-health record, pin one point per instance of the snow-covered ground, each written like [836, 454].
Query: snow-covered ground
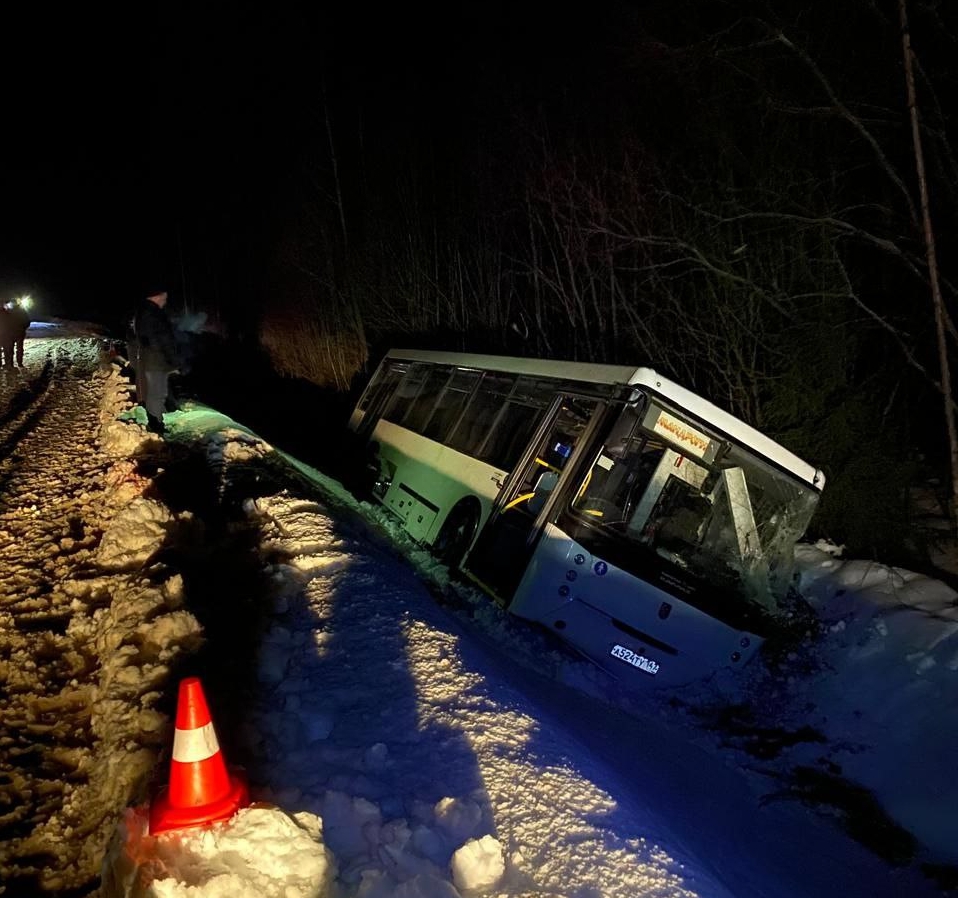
[404, 736]
[437, 757]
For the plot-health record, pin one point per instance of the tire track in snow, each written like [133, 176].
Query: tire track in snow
[51, 476]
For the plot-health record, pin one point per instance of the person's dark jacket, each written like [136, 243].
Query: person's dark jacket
[155, 348]
[19, 321]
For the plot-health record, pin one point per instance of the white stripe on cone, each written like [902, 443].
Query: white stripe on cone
[195, 745]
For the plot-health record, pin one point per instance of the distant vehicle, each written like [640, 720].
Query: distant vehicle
[644, 525]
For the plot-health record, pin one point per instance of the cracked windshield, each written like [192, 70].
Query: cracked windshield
[704, 504]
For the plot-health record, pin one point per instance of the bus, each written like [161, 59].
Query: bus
[648, 528]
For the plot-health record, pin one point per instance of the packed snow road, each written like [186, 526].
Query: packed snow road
[49, 524]
[76, 743]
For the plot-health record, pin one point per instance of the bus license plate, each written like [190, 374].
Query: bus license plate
[640, 661]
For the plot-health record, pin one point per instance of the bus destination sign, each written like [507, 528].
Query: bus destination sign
[676, 431]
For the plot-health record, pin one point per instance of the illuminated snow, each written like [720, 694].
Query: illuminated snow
[435, 775]
[429, 749]
[478, 865]
[134, 536]
[260, 851]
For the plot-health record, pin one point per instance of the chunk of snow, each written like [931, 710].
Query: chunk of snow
[459, 818]
[375, 756]
[478, 865]
[134, 536]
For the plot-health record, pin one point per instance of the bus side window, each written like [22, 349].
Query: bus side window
[481, 413]
[513, 430]
[384, 387]
[420, 409]
[450, 405]
[517, 421]
[406, 393]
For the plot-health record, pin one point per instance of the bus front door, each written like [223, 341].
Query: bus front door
[502, 550]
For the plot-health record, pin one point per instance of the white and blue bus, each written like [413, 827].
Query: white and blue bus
[648, 528]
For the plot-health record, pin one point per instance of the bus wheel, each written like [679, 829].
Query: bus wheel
[456, 534]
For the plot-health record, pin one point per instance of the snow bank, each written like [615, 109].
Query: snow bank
[119, 439]
[888, 685]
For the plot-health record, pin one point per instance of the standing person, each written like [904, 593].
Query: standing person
[6, 338]
[19, 324]
[154, 356]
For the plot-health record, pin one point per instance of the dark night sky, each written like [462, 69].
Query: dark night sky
[127, 140]
[75, 154]
[136, 146]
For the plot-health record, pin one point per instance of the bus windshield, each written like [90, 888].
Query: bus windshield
[663, 483]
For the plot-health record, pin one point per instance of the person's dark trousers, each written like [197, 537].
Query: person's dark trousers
[172, 403]
[153, 397]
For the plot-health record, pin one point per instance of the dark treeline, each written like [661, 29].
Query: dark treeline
[725, 191]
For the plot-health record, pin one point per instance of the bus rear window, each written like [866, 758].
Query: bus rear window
[381, 386]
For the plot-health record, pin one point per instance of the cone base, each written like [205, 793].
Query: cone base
[164, 817]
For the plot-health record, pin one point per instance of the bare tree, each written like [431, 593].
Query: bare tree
[929, 235]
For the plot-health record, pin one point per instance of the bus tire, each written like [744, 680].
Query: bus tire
[457, 533]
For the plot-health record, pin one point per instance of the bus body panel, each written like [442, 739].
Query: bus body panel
[620, 374]
[610, 375]
[428, 470]
[627, 626]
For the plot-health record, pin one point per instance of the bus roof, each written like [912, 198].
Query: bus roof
[584, 371]
[727, 423]
[590, 372]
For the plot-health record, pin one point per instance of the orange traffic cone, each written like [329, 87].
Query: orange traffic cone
[201, 789]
